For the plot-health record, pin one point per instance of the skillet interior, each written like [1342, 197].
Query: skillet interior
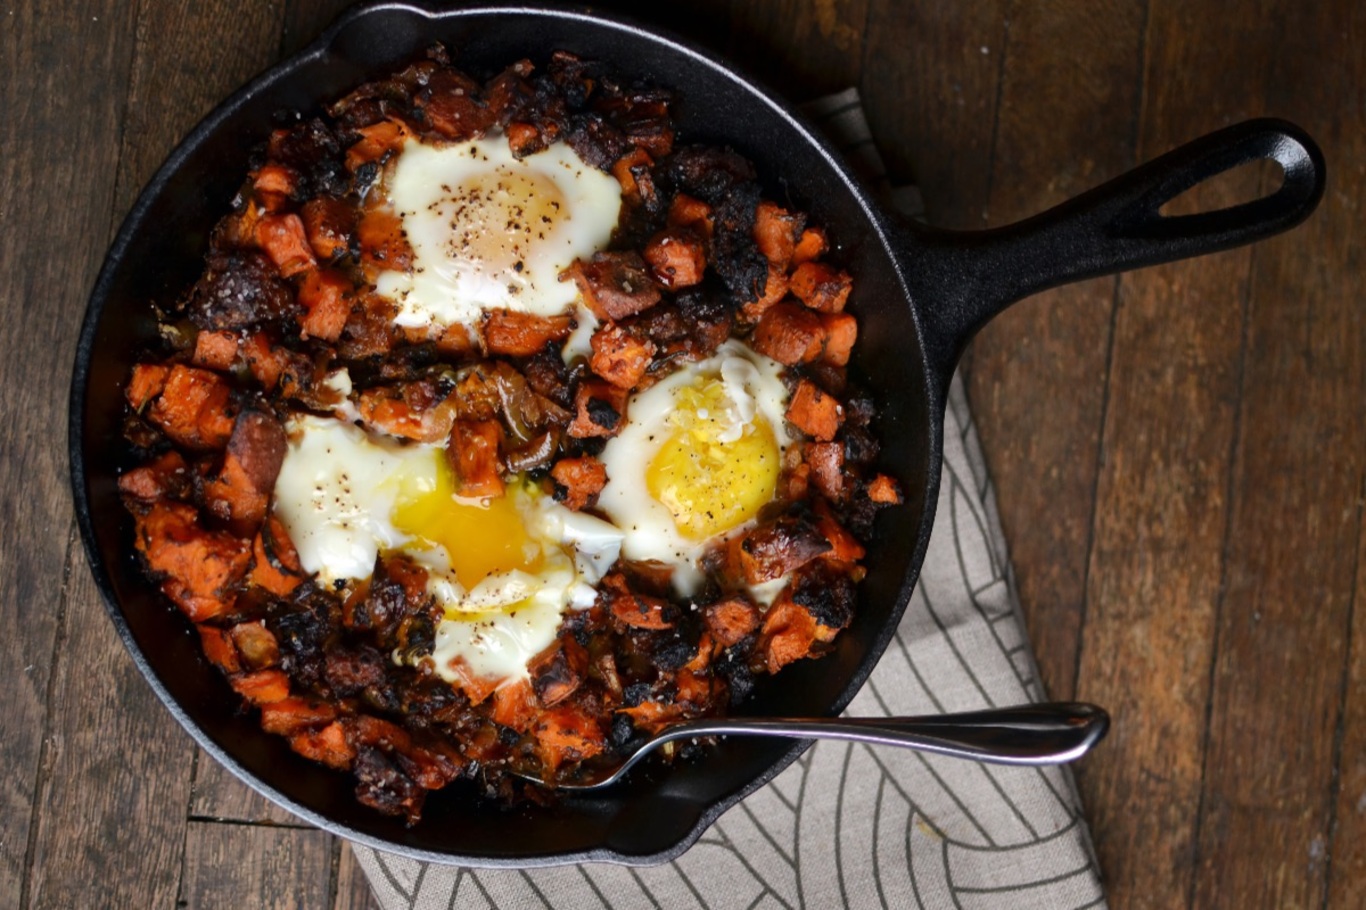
[159, 252]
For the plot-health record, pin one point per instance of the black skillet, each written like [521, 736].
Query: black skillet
[920, 295]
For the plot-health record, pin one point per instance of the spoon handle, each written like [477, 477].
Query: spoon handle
[1039, 734]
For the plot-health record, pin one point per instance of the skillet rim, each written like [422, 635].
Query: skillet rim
[874, 221]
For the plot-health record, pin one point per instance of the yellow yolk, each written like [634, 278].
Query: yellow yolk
[711, 473]
[480, 537]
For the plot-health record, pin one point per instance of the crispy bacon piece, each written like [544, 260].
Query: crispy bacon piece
[330, 224]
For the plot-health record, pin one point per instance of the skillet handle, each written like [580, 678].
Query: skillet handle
[960, 280]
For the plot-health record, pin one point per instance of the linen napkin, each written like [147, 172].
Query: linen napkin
[849, 825]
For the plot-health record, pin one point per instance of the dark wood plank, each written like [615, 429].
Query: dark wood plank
[803, 49]
[57, 178]
[1347, 848]
[115, 754]
[1286, 617]
[1038, 373]
[1162, 511]
[931, 97]
[104, 713]
[218, 794]
[235, 866]
[353, 889]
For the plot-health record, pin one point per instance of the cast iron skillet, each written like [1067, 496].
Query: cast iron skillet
[920, 295]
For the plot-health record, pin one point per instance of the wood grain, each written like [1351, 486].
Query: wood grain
[1276, 704]
[931, 98]
[236, 866]
[353, 889]
[1162, 512]
[1054, 347]
[55, 65]
[219, 795]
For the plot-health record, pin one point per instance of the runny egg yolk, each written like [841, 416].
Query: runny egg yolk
[481, 538]
[713, 473]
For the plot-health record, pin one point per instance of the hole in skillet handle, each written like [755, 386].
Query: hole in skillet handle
[960, 280]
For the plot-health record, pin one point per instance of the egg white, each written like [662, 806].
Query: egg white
[753, 384]
[336, 495]
[489, 231]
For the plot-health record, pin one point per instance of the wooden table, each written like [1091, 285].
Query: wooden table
[1178, 454]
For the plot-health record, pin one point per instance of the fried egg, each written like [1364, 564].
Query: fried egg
[489, 231]
[699, 458]
[504, 570]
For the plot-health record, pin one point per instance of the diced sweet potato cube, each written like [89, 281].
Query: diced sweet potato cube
[324, 295]
[262, 687]
[827, 468]
[524, 139]
[146, 383]
[383, 242]
[219, 649]
[614, 285]
[814, 412]
[327, 746]
[294, 714]
[789, 632]
[473, 453]
[619, 356]
[810, 245]
[194, 408]
[731, 619]
[202, 568]
[264, 361]
[841, 331]
[599, 409]
[241, 491]
[578, 481]
[377, 140]
[789, 333]
[821, 287]
[844, 547]
[215, 350]
[774, 549]
[775, 232]
[275, 565]
[330, 224]
[286, 243]
[273, 185]
[165, 477]
[514, 334]
[567, 733]
[688, 212]
[624, 169]
[677, 258]
[558, 671]
[514, 705]
[884, 490]
[641, 611]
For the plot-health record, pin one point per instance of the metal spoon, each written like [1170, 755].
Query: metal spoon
[1041, 734]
